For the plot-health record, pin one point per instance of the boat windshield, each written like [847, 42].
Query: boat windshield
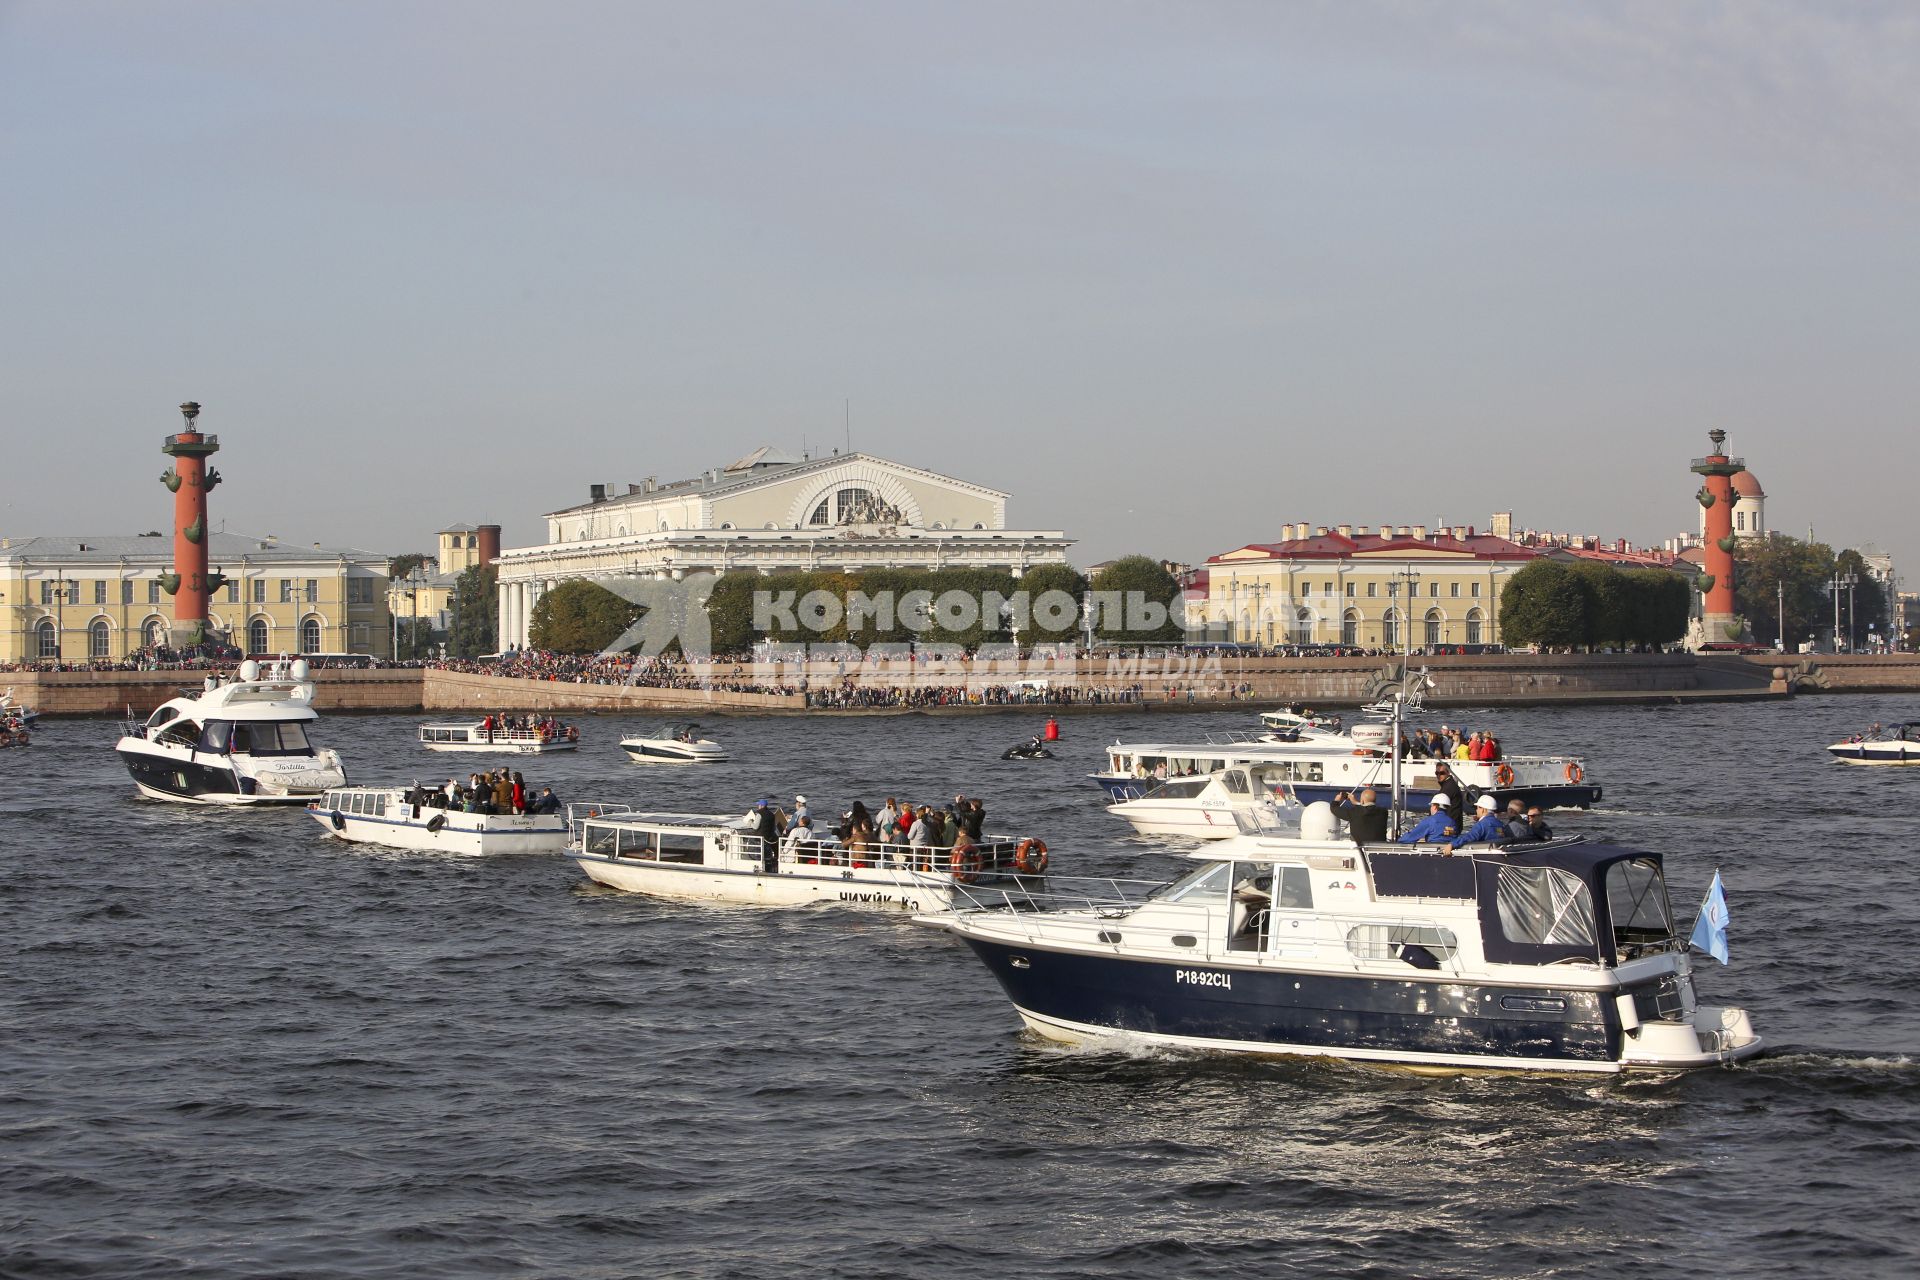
[1207, 881]
[1637, 901]
[1184, 788]
[271, 738]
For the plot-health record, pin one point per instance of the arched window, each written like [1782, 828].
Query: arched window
[257, 636]
[49, 638]
[1390, 630]
[156, 632]
[1473, 626]
[1350, 629]
[473, 542]
[310, 636]
[822, 514]
[1433, 627]
[99, 638]
[1303, 625]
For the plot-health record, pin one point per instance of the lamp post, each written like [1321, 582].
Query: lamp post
[1838, 581]
[1780, 627]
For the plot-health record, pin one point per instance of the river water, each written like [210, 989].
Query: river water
[233, 1048]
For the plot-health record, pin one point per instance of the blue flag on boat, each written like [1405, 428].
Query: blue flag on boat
[1710, 929]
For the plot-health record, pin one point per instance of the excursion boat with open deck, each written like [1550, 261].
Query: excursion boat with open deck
[1551, 956]
[718, 858]
[384, 815]
[1882, 744]
[1321, 768]
[674, 744]
[240, 743]
[473, 736]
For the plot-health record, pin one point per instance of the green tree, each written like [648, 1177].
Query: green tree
[414, 639]
[1544, 604]
[400, 567]
[475, 629]
[1778, 574]
[1037, 583]
[578, 616]
[1866, 614]
[1610, 619]
[1137, 602]
[1659, 604]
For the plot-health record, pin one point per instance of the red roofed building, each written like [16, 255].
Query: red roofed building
[1350, 586]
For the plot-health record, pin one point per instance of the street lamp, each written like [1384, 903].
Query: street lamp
[1838, 581]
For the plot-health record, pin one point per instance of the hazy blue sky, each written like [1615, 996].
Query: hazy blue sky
[1172, 273]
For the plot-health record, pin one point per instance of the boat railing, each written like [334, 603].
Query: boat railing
[1101, 894]
[989, 856]
[581, 810]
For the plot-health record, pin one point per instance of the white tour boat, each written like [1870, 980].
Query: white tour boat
[674, 744]
[386, 815]
[1206, 807]
[719, 858]
[1882, 744]
[240, 743]
[1552, 956]
[1322, 767]
[475, 736]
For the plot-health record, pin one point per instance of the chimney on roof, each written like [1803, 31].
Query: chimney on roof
[1420, 532]
[1363, 531]
[1401, 531]
[650, 484]
[596, 493]
[1503, 524]
[1320, 531]
[1470, 532]
[1346, 530]
[633, 488]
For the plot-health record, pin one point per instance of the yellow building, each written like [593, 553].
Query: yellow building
[426, 594]
[101, 599]
[1358, 589]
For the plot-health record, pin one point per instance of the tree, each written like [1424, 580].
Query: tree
[1778, 574]
[1660, 604]
[1609, 604]
[475, 629]
[1137, 602]
[578, 616]
[1866, 613]
[1544, 604]
[414, 639]
[1037, 583]
[401, 568]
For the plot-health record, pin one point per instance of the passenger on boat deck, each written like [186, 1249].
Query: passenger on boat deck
[800, 809]
[1438, 825]
[1490, 829]
[801, 832]
[1455, 793]
[1516, 819]
[764, 826]
[888, 825]
[1537, 823]
[518, 796]
[1366, 820]
[547, 802]
[920, 834]
[973, 817]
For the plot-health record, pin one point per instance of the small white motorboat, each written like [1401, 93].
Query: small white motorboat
[719, 858]
[1880, 744]
[522, 736]
[674, 744]
[240, 743]
[385, 815]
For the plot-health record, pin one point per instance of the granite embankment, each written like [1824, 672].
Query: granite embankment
[1173, 684]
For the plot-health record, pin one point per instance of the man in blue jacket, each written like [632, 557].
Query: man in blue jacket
[1438, 825]
[1490, 829]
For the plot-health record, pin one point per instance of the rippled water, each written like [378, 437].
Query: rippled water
[233, 1048]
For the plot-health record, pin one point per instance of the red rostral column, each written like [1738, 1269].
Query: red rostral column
[190, 478]
[1718, 621]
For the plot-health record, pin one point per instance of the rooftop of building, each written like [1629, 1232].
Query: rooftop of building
[762, 464]
[1329, 543]
[1747, 485]
[221, 548]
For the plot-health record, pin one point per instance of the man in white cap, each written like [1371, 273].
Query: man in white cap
[1490, 829]
[1437, 826]
[800, 809]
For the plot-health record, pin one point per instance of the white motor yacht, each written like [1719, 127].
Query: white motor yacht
[387, 816]
[1207, 807]
[243, 742]
[674, 744]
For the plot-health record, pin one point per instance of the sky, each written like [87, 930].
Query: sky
[1172, 274]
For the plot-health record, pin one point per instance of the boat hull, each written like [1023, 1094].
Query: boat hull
[501, 748]
[873, 889]
[1569, 795]
[468, 834]
[1895, 754]
[673, 753]
[213, 780]
[1437, 1021]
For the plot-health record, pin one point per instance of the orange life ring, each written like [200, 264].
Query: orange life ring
[1574, 772]
[1030, 857]
[966, 865]
[1504, 775]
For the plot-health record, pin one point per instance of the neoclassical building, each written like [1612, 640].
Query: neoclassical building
[772, 513]
[79, 599]
[1350, 586]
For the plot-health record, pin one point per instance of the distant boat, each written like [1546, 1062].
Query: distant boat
[473, 736]
[381, 815]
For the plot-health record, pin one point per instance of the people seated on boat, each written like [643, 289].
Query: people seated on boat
[799, 842]
[1366, 820]
[1491, 828]
[1437, 826]
[1518, 829]
[1160, 771]
[546, 802]
[1537, 823]
[517, 797]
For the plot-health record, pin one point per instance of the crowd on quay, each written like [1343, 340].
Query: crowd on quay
[925, 836]
[498, 792]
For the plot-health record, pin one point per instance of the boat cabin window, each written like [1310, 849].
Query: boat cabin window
[1183, 789]
[364, 804]
[1389, 941]
[271, 738]
[160, 717]
[181, 733]
[1199, 885]
[1545, 906]
[599, 838]
[682, 847]
[1637, 901]
[1306, 771]
[1236, 781]
[216, 735]
[1296, 889]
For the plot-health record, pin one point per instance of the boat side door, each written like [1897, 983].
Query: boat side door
[1294, 926]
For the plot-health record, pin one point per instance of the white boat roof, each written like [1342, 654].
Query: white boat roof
[729, 820]
[250, 700]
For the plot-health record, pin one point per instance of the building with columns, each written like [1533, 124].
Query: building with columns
[1349, 586]
[771, 513]
[104, 599]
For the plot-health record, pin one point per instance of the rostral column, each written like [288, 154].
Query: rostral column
[190, 478]
[1718, 621]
